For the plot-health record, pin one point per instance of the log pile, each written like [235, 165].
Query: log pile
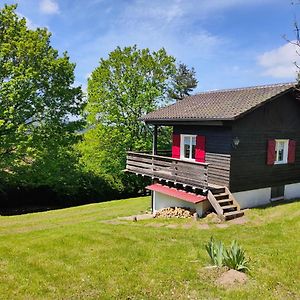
[175, 212]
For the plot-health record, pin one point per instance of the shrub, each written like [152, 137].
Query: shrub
[215, 250]
[235, 258]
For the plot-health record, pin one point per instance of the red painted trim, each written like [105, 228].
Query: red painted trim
[292, 152]
[200, 148]
[176, 146]
[271, 152]
[173, 192]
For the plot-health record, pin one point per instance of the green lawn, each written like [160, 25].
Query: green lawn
[72, 254]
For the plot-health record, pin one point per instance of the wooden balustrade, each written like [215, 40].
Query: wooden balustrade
[194, 174]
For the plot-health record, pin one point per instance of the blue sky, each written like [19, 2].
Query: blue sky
[230, 43]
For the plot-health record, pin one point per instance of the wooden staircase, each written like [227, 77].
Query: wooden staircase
[224, 203]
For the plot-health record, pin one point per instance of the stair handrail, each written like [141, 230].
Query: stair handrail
[213, 201]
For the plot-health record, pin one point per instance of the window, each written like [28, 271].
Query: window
[281, 151]
[188, 147]
[277, 192]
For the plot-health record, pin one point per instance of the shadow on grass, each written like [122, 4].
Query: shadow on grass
[27, 209]
[24, 201]
[277, 203]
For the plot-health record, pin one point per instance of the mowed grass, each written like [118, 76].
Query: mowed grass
[72, 254]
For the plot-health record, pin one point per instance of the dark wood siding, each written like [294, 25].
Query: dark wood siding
[217, 147]
[218, 169]
[218, 138]
[278, 119]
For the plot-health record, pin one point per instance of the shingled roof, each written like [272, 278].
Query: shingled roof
[218, 105]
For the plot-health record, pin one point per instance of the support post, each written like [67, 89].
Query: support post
[154, 152]
[154, 142]
[152, 196]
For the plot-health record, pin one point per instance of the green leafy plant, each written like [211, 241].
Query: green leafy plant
[215, 250]
[235, 258]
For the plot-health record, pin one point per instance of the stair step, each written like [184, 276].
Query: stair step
[225, 201]
[216, 189]
[233, 214]
[221, 196]
[230, 213]
[226, 207]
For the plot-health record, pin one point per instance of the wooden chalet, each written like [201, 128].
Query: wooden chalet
[232, 149]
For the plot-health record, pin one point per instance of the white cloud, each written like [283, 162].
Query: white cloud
[49, 7]
[168, 24]
[169, 10]
[177, 25]
[280, 62]
[154, 24]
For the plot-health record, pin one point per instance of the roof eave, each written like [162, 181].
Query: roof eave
[241, 115]
[185, 120]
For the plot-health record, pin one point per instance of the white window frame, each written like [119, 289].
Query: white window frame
[285, 152]
[182, 136]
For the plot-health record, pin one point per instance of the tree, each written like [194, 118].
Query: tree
[127, 85]
[37, 96]
[296, 43]
[183, 82]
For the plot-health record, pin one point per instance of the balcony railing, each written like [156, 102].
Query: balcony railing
[194, 174]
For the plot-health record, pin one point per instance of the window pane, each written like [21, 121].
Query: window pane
[189, 146]
[280, 155]
[193, 151]
[193, 147]
[280, 151]
[186, 151]
[187, 140]
[194, 141]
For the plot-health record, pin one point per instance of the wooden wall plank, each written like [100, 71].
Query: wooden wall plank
[278, 119]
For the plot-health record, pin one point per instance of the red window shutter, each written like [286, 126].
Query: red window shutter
[292, 152]
[271, 152]
[200, 148]
[176, 146]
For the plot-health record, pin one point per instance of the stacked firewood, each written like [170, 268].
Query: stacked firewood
[175, 212]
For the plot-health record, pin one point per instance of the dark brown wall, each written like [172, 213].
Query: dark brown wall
[218, 138]
[278, 119]
[218, 147]
[218, 169]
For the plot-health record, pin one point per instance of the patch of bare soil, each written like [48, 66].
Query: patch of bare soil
[203, 226]
[222, 225]
[239, 221]
[137, 217]
[172, 226]
[232, 277]
[210, 273]
[113, 222]
[155, 224]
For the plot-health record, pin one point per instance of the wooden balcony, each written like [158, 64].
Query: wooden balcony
[178, 171]
[215, 172]
[211, 177]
